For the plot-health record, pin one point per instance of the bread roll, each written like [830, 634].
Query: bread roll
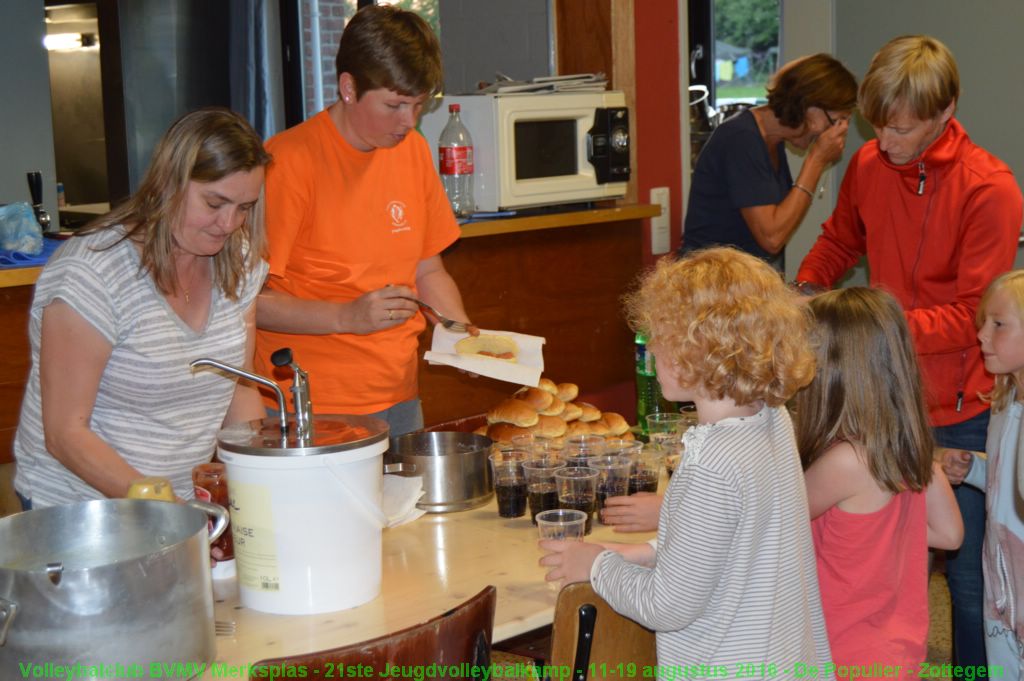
[512, 411]
[567, 392]
[616, 424]
[504, 432]
[577, 428]
[572, 412]
[489, 345]
[482, 430]
[538, 399]
[590, 412]
[548, 386]
[550, 427]
[599, 427]
[556, 407]
[628, 436]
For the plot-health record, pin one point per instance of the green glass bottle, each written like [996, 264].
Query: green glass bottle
[649, 399]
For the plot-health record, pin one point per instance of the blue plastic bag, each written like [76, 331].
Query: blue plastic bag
[19, 231]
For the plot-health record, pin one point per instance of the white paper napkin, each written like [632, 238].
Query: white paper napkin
[400, 496]
[526, 370]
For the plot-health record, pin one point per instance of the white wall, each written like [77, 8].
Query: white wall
[26, 128]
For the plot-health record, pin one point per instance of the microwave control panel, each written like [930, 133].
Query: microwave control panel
[608, 145]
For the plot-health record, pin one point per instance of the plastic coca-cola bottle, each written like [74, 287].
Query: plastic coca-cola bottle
[455, 161]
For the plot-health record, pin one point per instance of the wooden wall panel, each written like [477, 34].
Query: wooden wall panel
[583, 37]
[563, 284]
[14, 305]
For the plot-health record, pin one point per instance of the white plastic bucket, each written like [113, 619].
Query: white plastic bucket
[307, 529]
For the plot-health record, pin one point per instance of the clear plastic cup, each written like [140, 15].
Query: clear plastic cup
[541, 491]
[509, 482]
[562, 523]
[623, 447]
[612, 478]
[665, 426]
[646, 470]
[549, 449]
[577, 489]
[579, 448]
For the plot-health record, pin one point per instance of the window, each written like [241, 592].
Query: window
[734, 48]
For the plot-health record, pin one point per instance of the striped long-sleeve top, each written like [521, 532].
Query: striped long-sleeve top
[734, 582]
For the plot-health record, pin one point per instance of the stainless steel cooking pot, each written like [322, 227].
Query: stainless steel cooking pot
[456, 472]
[116, 585]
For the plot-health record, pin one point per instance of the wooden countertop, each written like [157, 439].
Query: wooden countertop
[430, 565]
[26, 276]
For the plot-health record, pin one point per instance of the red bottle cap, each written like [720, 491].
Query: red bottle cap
[454, 107]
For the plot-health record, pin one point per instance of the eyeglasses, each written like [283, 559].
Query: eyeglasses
[831, 122]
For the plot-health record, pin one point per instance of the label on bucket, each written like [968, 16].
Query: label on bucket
[252, 528]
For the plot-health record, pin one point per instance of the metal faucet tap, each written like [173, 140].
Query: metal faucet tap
[282, 411]
[35, 188]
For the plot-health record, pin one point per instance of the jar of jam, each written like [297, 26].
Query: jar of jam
[211, 484]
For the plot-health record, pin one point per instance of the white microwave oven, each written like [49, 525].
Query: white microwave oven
[541, 149]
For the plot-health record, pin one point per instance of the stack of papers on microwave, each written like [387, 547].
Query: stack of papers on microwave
[582, 82]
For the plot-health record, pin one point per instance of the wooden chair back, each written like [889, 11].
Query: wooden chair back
[461, 635]
[588, 633]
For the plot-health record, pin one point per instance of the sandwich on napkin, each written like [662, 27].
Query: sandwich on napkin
[489, 345]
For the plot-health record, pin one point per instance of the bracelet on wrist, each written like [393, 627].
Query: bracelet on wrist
[804, 189]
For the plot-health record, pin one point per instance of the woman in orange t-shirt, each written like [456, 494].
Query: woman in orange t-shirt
[356, 219]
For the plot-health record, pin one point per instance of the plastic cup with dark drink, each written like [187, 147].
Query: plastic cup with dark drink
[579, 448]
[646, 469]
[577, 489]
[612, 478]
[673, 454]
[541, 492]
[510, 482]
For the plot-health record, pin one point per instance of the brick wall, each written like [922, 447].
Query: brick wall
[333, 15]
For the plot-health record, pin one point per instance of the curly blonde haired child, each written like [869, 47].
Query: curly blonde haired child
[731, 579]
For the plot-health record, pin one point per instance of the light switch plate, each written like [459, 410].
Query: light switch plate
[661, 238]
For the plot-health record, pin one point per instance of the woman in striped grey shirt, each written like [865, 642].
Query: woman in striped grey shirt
[119, 312]
[730, 585]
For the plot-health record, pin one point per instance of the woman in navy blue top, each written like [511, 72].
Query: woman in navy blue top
[742, 192]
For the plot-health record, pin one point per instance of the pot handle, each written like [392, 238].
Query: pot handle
[400, 468]
[8, 609]
[369, 509]
[217, 512]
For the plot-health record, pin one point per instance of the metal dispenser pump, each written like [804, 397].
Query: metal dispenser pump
[300, 393]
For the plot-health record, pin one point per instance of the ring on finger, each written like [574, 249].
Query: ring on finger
[391, 315]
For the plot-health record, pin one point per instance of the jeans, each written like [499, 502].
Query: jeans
[402, 418]
[963, 566]
[26, 504]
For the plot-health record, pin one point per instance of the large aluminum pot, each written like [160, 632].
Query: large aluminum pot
[115, 585]
[456, 472]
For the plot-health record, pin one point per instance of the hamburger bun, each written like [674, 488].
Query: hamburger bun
[504, 432]
[590, 412]
[577, 428]
[572, 411]
[538, 399]
[616, 424]
[547, 385]
[556, 407]
[489, 345]
[549, 427]
[512, 411]
[567, 392]
[599, 427]
[627, 436]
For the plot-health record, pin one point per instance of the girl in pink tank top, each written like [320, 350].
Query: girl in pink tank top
[877, 500]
